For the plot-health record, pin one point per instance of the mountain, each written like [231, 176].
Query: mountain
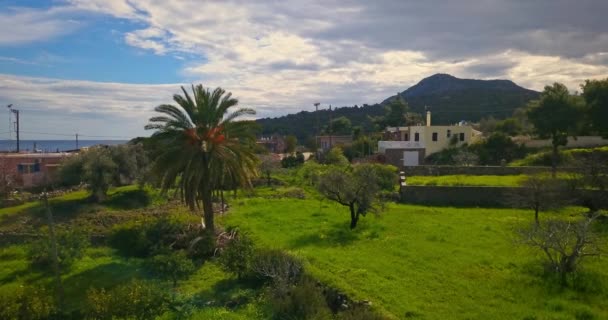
[449, 99]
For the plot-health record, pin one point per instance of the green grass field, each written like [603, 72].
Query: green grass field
[410, 262]
[466, 180]
[426, 262]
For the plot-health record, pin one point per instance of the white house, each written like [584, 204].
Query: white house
[408, 146]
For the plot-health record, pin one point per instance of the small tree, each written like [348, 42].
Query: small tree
[564, 243]
[537, 193]
[237, 256]
[595, 93]
[335, 156]
[267, 165]
[555, 116]
[172, 265]
[356, 188]
[99, 172]
[291, 142]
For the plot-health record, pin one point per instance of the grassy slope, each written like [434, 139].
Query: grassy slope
[101, 267]
[437, 263]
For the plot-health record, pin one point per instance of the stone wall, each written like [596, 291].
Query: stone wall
[476, 170]
[478, 196]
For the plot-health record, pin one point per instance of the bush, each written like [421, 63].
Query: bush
[160, 235]
[277, 266]
[305, 300]
[293, 161]
[70, 247]
[386, 175]
[29, 303]
[130, 241]
[335, 156]
[137, 299]
[173, 266]
[236, 257]
[310, 172]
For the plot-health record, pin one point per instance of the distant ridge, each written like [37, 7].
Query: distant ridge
[450, 99]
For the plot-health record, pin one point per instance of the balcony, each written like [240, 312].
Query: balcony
[383, 145]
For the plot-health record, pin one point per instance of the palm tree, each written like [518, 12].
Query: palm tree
[200, 144]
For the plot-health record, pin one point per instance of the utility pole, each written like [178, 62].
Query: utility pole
[77, 141]
[16, 112]
[53, 249]
[316, 104]
[331, 130]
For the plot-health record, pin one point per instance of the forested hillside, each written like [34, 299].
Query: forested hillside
[450, 100]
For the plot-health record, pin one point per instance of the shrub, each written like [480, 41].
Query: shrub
[293, 161]
[335, 156]
[236, 257]
[277, 266]
[130, 241]
[359, 313]
[26, 303]
[144, 240]
[305, 300]
[172, 265]
[70, 247]
[137, 299]
[386, 175]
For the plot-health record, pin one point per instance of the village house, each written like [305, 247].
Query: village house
[274, 144]
[31, 169]
[408, 146]
[327, 142]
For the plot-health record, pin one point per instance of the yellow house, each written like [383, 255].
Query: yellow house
[408, 146]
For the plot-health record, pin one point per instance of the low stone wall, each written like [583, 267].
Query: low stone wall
[478, 196]
[460, 196]
[476, 170]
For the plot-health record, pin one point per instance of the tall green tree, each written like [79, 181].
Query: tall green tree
[291, 142]
[201, 145]
[555, 116]
[595, 93]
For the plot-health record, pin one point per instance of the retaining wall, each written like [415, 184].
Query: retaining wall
[477, 170]
[478, 196]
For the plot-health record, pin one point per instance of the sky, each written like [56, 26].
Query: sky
[99, 67]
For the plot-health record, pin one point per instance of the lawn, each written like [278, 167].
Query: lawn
[426, 262]
[474, 180]
[410, 262]
[466, 180]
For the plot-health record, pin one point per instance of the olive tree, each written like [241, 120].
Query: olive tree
[355, 187]
[555, 116]
[538, 193]
[564, 243]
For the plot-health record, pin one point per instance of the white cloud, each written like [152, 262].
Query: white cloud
[24, 25]
[280, 56]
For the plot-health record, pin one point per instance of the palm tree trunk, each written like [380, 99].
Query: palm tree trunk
[208, 211]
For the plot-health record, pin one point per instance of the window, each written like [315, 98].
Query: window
[416, 136]
[434, 136]
[462, 136]
[449, 133]
[407, 137]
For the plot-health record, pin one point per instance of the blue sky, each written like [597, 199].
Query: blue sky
[98, 67]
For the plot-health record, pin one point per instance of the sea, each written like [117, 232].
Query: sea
[53, 145]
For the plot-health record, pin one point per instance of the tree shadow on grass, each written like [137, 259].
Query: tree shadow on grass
[66, 210]
[230, 293]
[338, 234]
[128, 200]
[106, 276]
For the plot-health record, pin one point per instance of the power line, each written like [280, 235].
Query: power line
[72, 135]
